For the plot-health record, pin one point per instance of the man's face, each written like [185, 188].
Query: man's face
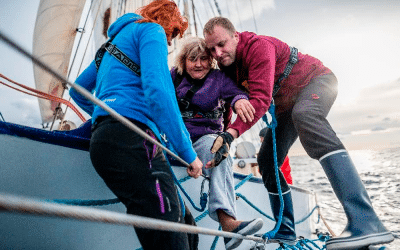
[222, 45]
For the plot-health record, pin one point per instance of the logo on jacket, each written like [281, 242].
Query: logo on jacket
[245, 84]
[110, 100]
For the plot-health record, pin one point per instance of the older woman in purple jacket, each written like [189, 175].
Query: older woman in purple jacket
[202, 92]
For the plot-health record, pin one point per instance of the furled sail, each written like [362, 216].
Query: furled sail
[55, 30]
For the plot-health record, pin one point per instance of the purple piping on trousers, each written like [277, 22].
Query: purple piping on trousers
[158, 189]
[160, 196]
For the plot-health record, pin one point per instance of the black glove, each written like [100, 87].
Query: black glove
[221, 148]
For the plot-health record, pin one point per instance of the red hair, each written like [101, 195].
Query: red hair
[166, 13]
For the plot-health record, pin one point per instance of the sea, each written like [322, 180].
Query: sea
[379, 169]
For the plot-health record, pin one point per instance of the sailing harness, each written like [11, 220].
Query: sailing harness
[190, 110]
[289, 66]
[117, 54]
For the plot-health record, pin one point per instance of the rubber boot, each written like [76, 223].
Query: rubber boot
[363, 227]
[286, 233]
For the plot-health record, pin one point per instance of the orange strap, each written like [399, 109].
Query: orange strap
[42, 95]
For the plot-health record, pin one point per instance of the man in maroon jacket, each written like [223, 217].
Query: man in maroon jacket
[303, 90]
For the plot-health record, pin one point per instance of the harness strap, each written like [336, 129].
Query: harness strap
[215, 114]
[186, 101]
[289, 66]
[117, 54]
[188, 109]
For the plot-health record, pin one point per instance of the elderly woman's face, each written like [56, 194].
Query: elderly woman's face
[198, 68]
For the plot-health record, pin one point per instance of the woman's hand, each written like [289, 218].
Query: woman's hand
[245, 110]
[195, 169]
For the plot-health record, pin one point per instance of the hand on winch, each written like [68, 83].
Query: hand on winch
[220, 148]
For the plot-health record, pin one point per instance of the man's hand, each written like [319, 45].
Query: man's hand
[220, 148]
[195, 169]
[245, 110]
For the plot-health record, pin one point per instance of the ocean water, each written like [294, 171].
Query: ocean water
[380, 172]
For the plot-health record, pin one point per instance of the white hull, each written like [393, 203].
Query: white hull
[46, 171]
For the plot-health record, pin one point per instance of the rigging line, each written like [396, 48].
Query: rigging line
[254, 18]
[207, 11]
[25, 205]
[238, 14]
[125, 6]
[227, 7]
[58, 108]
[90, 37]
[2, 117]
[90, 97]
[119, 8]
[40, 94]
[77, 48]
[212, 9]
[217, 6]
[80, 39]
[201, 25]
[83, 56]
[194, 18]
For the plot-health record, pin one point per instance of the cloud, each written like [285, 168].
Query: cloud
[246, 10]
[238, 11]
[375, 107]
[25, 112]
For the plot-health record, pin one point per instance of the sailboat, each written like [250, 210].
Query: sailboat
[52, 165]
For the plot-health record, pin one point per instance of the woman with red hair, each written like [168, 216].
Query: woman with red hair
[141, 90]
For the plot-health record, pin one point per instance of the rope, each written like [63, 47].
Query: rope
[243, 181]
[323, 219]
[78, 202]
[203, 197]
[42, 95]
[215, 241]
[30, 206]
[302, 242]
[272, 126]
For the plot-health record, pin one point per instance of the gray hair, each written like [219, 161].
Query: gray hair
[192, 47]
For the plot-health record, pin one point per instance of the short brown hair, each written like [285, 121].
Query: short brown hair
[218, 21]
[166, 13]
[192, 46]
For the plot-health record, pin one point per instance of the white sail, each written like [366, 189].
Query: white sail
[53, 38]
[56, 42]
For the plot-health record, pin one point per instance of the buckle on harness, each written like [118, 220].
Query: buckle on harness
[293, 55]
[184, 104]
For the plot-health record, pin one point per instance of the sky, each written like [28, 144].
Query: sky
[358, 40]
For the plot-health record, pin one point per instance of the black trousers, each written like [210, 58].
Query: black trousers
[136, 171]
[306, 121]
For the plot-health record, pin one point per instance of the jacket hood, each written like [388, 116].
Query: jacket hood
[245, 39]
[121, 22]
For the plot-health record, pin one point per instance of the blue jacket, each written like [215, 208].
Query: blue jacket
[150, 98]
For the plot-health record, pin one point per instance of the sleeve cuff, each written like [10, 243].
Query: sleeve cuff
[237, 98]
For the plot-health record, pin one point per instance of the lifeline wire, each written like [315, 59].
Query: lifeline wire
[31, 206]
